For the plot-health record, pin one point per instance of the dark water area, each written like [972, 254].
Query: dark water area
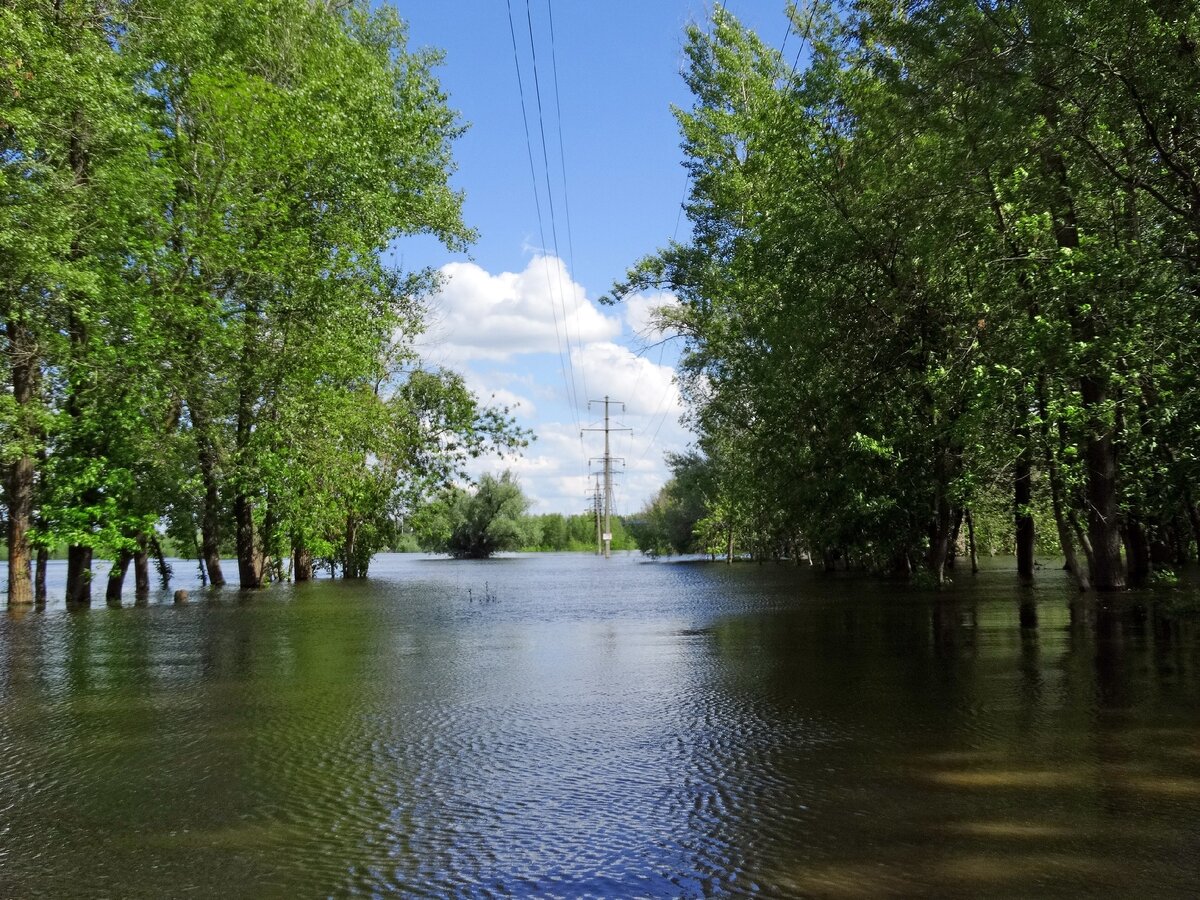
[562, 726]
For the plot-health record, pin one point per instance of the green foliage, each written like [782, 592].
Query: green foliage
[953, 249]
[680, 518]
[201, 333]
[554, 532]
[476, 524]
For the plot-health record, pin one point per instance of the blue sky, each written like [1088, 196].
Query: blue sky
[517, 318]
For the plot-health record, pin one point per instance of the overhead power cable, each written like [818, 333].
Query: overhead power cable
[568, 382]
[537, 85]
[562, 159]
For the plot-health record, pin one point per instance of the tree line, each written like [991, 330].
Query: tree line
[201, 334]
[954, 258]
[492, 516]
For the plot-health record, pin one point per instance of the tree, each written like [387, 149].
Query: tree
[943, 259]
[671, 522]
[200, 328]
[476, 524]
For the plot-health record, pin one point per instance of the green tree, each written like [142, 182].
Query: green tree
[940, 263]
[476, 524]
[671, 522]
[196, 202]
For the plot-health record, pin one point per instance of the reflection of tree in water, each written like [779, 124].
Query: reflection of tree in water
[969, 750]
[810, 735]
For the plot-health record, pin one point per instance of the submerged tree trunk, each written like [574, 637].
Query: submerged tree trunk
[164, 568]
[1063, 524]
[302, 563]
[942, 521]
[939, 540]
[79, 576]
[250, 561]
[1098, 445]
[116, 577]
[1062, 521]
[23, 373]
[210, 533]
[1098, 450]
[141, 571]
[1193, 519]
[351, 565]
[1103, 521]
[39, 579]
[971, 542]
[20, 510]
[210, 516]
[1137, 552]
[1022, 503]
[955, 533]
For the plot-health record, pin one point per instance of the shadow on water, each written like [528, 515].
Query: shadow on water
[605, 729]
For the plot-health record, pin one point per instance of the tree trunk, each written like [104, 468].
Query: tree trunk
[1023, 514]
[350, 568]
[971, 542]
[141, 571]
[302, 563]
[210, 516]
[20, 514]
[1103, 521]
[272, 559]
[955, 533]
[1137, 552]
[210, 534]
[39, 579]
[1099, 445]
[250, 560]
[941, 521]
[116, 578]
[1193, 519]
[1062, 520]
[939, 540]
[79, 576]
[23, 365]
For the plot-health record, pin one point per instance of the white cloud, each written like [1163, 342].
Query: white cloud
[495, 329]
[639, 314]
[488, 390]
[646, 388]
[480, 316]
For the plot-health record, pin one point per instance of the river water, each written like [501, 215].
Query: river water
[561, 726]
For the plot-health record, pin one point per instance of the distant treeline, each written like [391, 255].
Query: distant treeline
[201, 335]
[552, 531]
[949, 266]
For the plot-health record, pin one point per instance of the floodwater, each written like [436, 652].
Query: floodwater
[563, 726]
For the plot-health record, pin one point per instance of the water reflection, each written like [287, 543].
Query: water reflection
[620, 729]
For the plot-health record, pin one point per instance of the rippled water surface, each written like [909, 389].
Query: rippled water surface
[562, 726]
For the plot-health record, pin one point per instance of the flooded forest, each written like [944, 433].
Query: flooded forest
[916, 614]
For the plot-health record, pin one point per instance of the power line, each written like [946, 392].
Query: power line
[807, 34]
[661, 401]
[537, 85]
[568, 383]
[562, 159]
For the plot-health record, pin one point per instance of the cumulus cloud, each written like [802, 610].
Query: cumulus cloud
[499, 331]
[646, 388]
[640, 312]
[480, 316]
